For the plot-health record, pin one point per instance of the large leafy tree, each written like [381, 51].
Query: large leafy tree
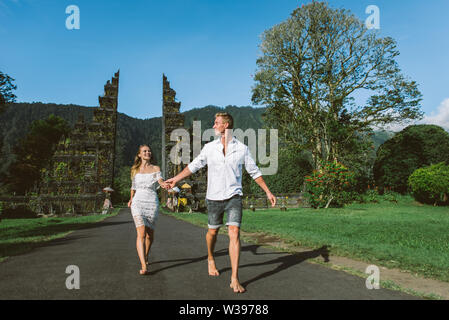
[414, 147]
[34, 153]
[311, 67]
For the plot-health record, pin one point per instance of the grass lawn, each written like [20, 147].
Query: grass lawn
[404, 235]
[18, 236]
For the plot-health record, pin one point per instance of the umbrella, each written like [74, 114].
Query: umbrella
[108, 189]
[175, 190]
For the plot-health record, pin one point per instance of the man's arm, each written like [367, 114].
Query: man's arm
[261, 182]
[199, 162]
[256, 174]
[182, 175]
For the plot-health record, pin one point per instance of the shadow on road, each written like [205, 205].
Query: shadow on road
[185, 261]
[52, 229]
[286, 262]
[283, 262]
[28, 243]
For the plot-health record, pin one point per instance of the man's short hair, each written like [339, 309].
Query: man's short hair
[227, 118]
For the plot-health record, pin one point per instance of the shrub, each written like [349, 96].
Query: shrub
[391, 196]
[331, 184]
[373, 196]
[431, 184]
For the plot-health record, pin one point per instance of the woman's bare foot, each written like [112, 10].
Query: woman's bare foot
[144, 270]
[236, 286]
[212, 268]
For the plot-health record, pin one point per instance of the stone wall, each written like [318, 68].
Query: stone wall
[286, 200]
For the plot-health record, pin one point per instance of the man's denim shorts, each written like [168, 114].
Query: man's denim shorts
[216, 210]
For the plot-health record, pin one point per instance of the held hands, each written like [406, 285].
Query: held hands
[164, 185]
[167, 184]
[170, 183]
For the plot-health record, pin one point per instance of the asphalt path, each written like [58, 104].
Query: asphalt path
[106, 257]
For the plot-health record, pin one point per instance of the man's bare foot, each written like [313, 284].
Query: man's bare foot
[212, 268]
[236, 286]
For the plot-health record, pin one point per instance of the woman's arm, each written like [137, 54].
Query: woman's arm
[162, 183]
[131, 199]
[133, 191]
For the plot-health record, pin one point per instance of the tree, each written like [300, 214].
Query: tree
[293, 166]
[312, 65]
[414, 147]
[34, 152]
[6, 95]
[6, 88]
[122, 185]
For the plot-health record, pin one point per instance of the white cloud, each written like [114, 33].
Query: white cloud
[394, 127]
[441, 117]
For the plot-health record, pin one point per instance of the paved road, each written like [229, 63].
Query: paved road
[106, 256]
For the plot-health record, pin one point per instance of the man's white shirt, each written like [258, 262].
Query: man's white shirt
[224, 172]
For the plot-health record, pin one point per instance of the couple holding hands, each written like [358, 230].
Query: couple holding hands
[224, 158]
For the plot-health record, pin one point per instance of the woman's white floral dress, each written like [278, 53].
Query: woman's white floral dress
[145, 203]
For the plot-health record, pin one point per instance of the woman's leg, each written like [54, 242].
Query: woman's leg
[140, 245]
[149, 237]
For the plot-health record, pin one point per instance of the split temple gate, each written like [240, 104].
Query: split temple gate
[172, 119]
[83, 164]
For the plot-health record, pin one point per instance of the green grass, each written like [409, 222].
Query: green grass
[18, 236]
[403, 235]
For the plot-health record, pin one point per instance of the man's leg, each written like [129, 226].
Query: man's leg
[234, 254]
[234, 213]
[211, 239]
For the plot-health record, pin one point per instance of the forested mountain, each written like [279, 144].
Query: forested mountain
[244, 117]
[131, 132]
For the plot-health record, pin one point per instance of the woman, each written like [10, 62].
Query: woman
[144, 202]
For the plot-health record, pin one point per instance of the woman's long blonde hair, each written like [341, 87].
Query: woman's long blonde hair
[138, 161]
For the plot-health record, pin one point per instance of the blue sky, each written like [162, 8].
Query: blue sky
[207, 49]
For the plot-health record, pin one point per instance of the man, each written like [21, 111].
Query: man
[224, 158]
